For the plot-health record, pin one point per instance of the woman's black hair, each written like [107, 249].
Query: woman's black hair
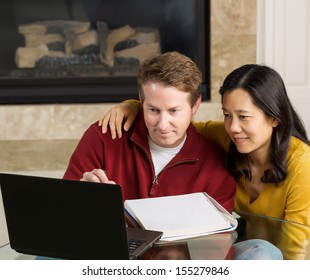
[268, 92]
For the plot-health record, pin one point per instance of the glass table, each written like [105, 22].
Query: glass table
[291, 238]
[210, 247]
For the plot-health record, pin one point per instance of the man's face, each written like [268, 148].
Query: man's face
[167, 113]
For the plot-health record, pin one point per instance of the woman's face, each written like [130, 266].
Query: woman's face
[247, 125]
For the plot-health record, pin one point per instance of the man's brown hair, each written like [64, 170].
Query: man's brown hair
[171, 69]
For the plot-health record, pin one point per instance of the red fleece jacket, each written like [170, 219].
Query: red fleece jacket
[198, 167]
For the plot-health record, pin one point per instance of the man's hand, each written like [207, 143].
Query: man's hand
[97, 176]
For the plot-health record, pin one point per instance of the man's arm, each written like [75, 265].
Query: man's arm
[88, 155]
[226, 195]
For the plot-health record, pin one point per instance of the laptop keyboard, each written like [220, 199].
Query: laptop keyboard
[134, 243]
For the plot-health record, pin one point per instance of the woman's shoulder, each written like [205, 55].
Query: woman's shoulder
[299, 152]
[298, 146]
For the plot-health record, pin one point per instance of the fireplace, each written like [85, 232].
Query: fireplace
[88, 51]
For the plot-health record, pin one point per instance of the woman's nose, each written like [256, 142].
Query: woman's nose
[235, 126]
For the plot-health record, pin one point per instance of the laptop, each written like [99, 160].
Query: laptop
[69, 219]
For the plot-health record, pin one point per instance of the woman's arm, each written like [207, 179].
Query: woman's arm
[214, 131]
[127, 110]
[296, 238]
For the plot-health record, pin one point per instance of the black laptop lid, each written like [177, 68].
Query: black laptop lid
[63, 219]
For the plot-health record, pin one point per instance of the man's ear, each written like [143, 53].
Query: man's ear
[196, 106]
[141, 98]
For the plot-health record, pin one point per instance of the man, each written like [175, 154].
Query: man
[162, 154]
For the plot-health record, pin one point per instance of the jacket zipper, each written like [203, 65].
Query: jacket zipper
[155, 180]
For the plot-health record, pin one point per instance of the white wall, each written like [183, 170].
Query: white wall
[283, 42]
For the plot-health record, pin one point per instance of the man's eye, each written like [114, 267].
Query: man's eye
[153, 110]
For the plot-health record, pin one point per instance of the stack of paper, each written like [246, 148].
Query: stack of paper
[181, 216]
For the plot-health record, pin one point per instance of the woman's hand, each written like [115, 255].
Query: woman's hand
[115, 117]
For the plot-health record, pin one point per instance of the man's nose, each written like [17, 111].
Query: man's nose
[163, 121]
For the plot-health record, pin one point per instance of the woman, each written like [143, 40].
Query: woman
[268, 152]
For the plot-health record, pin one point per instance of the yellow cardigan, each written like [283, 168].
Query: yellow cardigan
[289, 200]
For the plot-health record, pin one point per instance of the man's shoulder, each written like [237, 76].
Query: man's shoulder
[203, 148]
[203, 141]
[94, 128]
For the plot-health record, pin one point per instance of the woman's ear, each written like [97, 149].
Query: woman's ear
[275, 122]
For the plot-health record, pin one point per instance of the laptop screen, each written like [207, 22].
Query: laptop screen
[63, 218]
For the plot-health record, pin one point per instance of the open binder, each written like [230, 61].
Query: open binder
[180, 216]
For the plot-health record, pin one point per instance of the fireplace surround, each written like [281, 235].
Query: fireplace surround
[183, 25]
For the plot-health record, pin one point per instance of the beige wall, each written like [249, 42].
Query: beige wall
[233, 38]
[233, 43]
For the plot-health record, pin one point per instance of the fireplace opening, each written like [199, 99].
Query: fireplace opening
[81, 51]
